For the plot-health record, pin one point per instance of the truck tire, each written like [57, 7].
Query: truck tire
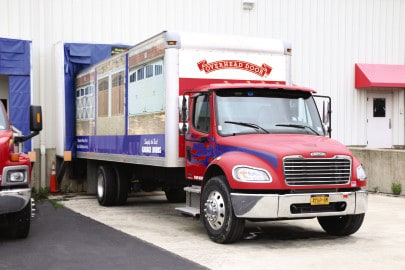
[106, 186]
[122, 186]
[175, 195]
[19, 222]
[341, 225]
[217, 213]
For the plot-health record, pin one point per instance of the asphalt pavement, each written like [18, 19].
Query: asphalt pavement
[288, 244]
[62, 239]
[147, 233]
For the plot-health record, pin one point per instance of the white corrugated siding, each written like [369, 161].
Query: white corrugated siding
[328, 37]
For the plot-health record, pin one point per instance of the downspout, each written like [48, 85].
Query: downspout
[42, 90]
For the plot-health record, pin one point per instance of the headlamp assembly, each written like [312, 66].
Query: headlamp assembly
[250, 174]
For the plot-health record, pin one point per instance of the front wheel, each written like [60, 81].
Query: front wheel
[19, 222]
[341, 225]
[217, 213]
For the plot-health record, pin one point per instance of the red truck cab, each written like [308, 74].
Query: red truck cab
[15, 178]
[261, 152]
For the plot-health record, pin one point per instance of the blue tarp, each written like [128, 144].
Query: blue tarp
[14, 57]
[79, 56]
[15, 62]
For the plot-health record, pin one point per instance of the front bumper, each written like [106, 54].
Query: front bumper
[14, 200]
[274, 206]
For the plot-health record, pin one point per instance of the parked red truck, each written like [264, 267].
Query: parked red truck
[260, 152]
[15, 191]
[216, 117]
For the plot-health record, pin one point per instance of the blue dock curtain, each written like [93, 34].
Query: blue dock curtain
[15, 62]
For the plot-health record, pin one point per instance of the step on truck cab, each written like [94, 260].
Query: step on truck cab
[213, 120]
[15, 167]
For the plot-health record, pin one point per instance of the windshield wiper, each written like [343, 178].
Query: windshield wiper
[251, 125]
[298, 126]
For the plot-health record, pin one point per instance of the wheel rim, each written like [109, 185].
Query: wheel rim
[100, 186]
[214, 210]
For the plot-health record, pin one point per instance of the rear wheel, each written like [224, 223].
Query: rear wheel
[19, 222]
[341, 225]
[217, 213]
[106, 186]
[122, 185]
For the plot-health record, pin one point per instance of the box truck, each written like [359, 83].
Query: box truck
[214, 121]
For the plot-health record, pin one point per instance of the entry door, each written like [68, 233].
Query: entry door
[379, 120]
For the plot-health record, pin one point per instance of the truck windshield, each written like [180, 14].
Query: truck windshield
[245, 111]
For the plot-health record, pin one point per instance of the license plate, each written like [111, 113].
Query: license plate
[320, 200]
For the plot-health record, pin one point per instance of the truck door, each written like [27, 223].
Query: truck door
[199, 149]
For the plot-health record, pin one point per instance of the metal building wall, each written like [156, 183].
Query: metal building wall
[328, 37]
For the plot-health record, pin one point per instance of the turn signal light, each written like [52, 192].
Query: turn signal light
[15, 157]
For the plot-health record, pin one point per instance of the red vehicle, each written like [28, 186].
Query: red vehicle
[15, 192]
[247, 146]
[260, 152]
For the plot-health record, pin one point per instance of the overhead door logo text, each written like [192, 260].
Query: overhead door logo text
[262, 71]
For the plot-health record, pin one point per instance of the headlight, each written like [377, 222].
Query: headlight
[14, 177]
[249, 174]
[361, 173]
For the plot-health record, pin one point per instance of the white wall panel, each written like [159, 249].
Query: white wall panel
[328, 38]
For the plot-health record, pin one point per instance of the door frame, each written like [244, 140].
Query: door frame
[389, 97]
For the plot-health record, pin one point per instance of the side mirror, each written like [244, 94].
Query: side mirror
[183, 108]
[184, 112]
[183, 128]
[327, 116]
[35, 118]
[325, 103]
[35, 124]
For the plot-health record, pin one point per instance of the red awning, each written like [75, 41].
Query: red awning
[376, 75]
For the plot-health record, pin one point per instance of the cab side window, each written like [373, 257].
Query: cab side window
[201, 117]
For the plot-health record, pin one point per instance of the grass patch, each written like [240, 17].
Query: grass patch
[42, 195]
[396, 188]
[56, 204]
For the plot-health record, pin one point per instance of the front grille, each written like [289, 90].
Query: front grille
[317, 171]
